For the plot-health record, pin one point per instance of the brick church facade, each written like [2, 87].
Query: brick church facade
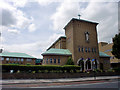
[80, 43]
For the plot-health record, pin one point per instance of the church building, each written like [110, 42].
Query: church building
[80, 42]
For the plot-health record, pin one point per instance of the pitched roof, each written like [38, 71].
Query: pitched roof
[15, 54]
[102, 54]
[57, 41]
[54, 51]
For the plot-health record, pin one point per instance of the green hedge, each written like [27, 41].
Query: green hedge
[117, 69]
[40, 68]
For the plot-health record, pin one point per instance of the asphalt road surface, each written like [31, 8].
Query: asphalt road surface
[90, 85]
[86, 84]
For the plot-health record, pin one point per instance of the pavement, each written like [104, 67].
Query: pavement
[26, 81]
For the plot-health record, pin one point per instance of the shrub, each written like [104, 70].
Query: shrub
[69, 61]
[110, 70]
[117, 69]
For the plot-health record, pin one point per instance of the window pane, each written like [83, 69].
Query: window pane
[54, 60]
[92, 49]
[85, 49]
[2, 58]
[18, 59]
[51, 60]
[58, 60]
[7, 59]
[22, 59]
[95, 50]
[79, 49]
[82, 49]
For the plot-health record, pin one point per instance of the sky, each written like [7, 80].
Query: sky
[31, 26]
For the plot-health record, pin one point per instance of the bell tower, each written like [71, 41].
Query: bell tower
[81, 39]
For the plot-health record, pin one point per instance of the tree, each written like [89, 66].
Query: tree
[69, 61]
[116, 46]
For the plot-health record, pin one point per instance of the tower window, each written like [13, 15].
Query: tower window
[82, 49]
[92, 49]
[85, 49]
[88, 49]
[87, 36]
[79, 49]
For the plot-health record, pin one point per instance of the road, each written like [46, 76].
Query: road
[90, 85]
[86, 84]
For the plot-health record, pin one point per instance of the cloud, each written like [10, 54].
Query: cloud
[2, 39]
[32, 27]
[7, 18]
[12, 17]
[19, 3]
[34, 48]
[64, 13]
[14, 31]
[105, 13]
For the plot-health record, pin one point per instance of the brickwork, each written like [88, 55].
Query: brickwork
[55, 59]
[81, 40]
[106, 63]
[16, 60]
[107, 48]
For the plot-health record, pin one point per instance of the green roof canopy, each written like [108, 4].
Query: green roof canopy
[102, 54]
[14, 54]
[54, 51]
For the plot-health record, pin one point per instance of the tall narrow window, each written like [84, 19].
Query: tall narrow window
[85, 49]
[92, 49]
[87, 36]
[79, 49]
[59, 60]
[54, 60]
[50, 60]
[82, 49]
